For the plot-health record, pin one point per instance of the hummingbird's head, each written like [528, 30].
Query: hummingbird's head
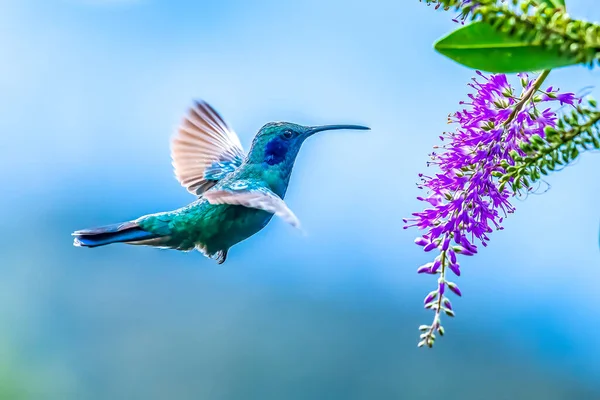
[279, 142]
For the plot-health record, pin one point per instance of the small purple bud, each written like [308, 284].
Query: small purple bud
[421, 241]
[430, 297]
[436, 266]
[425, 269]
[447, 304]
[455, 268]
[430, 246]
[452, 286]
[441, 288]
[452, 256]
[446, 243]
[471, 247]
[457, 237]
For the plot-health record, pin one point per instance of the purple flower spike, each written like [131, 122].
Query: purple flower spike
[463, 198]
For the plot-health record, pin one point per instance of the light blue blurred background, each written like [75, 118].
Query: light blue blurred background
[90, 92]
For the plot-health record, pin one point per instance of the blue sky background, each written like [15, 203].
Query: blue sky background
[90, 92]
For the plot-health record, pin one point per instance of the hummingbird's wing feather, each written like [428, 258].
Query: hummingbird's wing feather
[205, 149]
[261, 198]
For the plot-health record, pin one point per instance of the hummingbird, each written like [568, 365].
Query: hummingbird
[237, 194]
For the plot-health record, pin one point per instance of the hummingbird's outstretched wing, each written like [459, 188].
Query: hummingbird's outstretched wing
[248, 194]
[204, 149]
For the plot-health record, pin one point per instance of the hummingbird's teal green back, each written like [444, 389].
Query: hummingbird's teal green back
[237, 194]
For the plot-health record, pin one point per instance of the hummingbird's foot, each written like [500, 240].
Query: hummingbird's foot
[221, 256]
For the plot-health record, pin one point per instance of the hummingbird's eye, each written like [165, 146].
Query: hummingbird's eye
[288, 134]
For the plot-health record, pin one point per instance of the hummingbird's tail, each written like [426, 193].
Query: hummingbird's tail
[126, 232]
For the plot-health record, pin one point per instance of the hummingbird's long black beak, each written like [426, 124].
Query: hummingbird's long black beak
[321, 128]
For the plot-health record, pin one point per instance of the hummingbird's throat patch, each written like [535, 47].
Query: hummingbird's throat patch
[276, 151]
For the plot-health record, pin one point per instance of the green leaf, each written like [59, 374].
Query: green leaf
[480, 46]
[554, 3]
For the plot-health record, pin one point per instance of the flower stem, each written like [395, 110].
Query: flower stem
[527, 95]
[435, 325]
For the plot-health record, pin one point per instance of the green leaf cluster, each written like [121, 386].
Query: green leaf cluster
[519, 36]
[575, 133]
